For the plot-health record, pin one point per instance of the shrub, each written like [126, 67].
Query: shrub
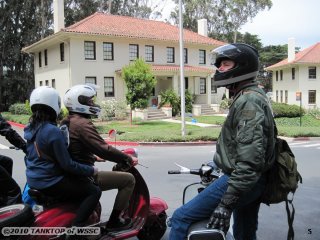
[225, 103]
[171, 98]
[286, 110]
[20, 108]
[112, 109]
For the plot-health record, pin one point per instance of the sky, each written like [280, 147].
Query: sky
[298, 19]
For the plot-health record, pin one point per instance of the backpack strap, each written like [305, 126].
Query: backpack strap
[290, 217]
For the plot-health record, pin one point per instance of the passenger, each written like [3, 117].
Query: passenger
[10, 192]
[48, 159]
[85, 143]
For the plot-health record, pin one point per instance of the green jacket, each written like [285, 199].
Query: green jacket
[245, 148]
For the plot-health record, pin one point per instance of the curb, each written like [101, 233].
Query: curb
[16, 124]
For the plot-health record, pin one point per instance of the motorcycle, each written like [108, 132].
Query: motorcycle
[208, 173]
[147, 213]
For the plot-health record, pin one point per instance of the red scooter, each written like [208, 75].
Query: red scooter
[148, 214]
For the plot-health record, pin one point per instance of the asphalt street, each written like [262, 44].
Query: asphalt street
[272, 219]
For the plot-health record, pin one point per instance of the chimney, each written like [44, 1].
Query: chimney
[203, 27]
[58, 15]
[291, 49]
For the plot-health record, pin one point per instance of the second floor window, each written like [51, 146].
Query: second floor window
[170, 55]
[312, 72]
[45, 57]
[281, 74]
[40, 59]
[90, 50]
[203, 86]
[185, 55]
[149, 53]
[61, 52]
[277, 75]
[109, 87]
[312, 97]
[47, 82]
[133, 52]
[91, 80]
[107, 51]
[202, 56]
[293, 72]
[53, 83]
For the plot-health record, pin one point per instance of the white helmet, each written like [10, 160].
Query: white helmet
[79, 99]
[47, 96]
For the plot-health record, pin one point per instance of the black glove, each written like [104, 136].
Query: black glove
[220, 218]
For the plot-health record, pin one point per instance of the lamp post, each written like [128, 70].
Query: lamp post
[182, 90]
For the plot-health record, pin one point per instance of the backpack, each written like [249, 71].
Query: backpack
[282, 180]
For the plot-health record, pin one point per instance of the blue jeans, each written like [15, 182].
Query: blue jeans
[202, 206]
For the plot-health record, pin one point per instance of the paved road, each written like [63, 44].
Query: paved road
[272, 220]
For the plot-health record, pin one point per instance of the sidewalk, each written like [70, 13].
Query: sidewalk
[191, 123]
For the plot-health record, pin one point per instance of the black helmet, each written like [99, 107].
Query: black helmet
[246, 60]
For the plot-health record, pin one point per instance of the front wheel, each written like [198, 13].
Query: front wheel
[155, 229]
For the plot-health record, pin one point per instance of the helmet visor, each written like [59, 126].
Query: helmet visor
[227, 51]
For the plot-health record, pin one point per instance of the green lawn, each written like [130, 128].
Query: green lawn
[159, 131]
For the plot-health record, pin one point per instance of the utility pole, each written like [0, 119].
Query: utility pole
[182, 87]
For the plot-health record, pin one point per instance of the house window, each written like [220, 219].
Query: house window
[40, 59]
[202, 56]
[312, 97]
[186, 83]
[281, 75]
[149, 54]
[61, 52]
[312, 72]
[109, 87]
[90, 50]
[133, 52]
[47, 82]
[185, 55]
[293, 73]
[213, 87]
[40, 83]
[286, 96]
[277, 96]
[45, 57]
[90, 80]
[277, 75]
[203, 85]
[170, 55]
[281, 96]
[53, 83]
[107, 51]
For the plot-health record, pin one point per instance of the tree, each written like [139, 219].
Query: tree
[224, 16]
[140, 82]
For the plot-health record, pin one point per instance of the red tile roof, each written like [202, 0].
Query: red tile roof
[176, 68]
[187, 68]
[308, 55]
[129, 27]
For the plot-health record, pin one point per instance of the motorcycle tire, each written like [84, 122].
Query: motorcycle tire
[155, 230]
[16, 215]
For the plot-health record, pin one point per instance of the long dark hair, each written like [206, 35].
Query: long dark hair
[42, 113]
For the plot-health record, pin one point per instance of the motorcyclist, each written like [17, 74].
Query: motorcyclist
[244, 151]
[86, 143]
[10, 192]
[48, 160]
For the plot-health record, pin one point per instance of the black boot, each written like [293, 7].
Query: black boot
[117, 223]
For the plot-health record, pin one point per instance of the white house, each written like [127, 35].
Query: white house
[95, 49]
[299, 73]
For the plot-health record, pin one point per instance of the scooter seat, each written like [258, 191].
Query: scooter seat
[40, 198]
[199, 231]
